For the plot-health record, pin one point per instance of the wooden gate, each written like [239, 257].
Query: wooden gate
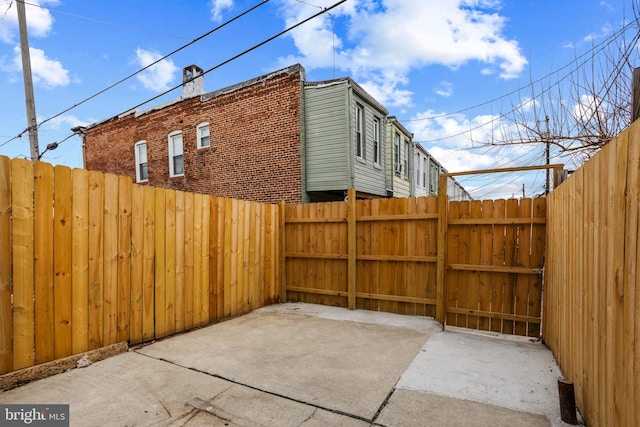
[494, 265]
[491, 260]
[475, 264]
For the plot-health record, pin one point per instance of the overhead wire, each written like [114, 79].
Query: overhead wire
[290, 28]
[6, 11]
[98, 21]
[197, 39]
[598, 47]
[122, 80]
[234, 57]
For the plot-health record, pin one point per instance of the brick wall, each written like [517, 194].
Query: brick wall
[255, 142]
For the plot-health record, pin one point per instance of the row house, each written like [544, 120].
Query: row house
[274, 137]
[427, 171]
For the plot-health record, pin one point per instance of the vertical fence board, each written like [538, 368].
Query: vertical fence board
[364, 246]
[188, 261]
[510, 252]
[80, 257]
[453, 256]
[497, 257]
[124, 257]
[432, 251]
[96, 259]
[473, 293]
[204, 244]
[6, 286]
[62, 261]
[523, 259]
[43, 248]
[197, 260]
[160, 291]
[402, 285]
[23, 263]
[239, 259]
[110, 259]
[247, 226]
[538, 242]
[229, 291]
[275, 271]
[170, 263]
[148, 320]
[221, 255]
[486, 247]
[180, 260]
[137, 263]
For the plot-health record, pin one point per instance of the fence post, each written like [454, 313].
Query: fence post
[282, 252]
[351, 239]
[6, 315]
[441, 295]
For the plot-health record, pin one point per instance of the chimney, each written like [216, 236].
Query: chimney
[192, 81]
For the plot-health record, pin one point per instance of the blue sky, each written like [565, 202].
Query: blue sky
[421, 59]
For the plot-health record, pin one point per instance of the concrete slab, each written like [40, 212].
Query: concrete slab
[510, 372]
[343, 366]
[417, 409]
[309, 365]
[128, 389]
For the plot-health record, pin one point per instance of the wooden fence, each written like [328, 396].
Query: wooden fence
[89, 259]
[592, 302]
[383, 254]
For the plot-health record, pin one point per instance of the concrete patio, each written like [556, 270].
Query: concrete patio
[310, 365]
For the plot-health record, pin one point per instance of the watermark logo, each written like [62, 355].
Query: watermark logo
[34, 415]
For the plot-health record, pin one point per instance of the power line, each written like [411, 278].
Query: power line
[244, 52]
[597, 48]
[6, 11]
[156, 62]
[98, 21]
[325, 10]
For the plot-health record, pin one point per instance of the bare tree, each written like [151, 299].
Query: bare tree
[580, 108]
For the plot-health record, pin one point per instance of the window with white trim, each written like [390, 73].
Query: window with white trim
[406, 159]
[376, 141]
[142, 169]
[203, 136]
[396, 153]
[176, 154]
[424, 172]
[359, 133]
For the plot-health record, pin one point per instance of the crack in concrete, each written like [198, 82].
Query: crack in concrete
[309, 417]
[282, 396]
[382, 406]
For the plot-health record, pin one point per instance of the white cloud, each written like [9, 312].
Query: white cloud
[159, 76]
[462, 141]
[456, 160]
[218, 7]
[39, 20]
[444, 89]
[386, 39]
[604, 32]
[65, 122]
[46, 72]
[589, 108]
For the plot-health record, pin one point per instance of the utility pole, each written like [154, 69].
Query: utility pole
[547, 136]
[28, 82]
[635, 95]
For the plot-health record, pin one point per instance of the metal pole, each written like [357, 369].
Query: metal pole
[635, 95]
[547, 187]
[28, 82]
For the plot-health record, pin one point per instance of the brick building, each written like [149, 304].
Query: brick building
[274, 137]
[242, 141]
